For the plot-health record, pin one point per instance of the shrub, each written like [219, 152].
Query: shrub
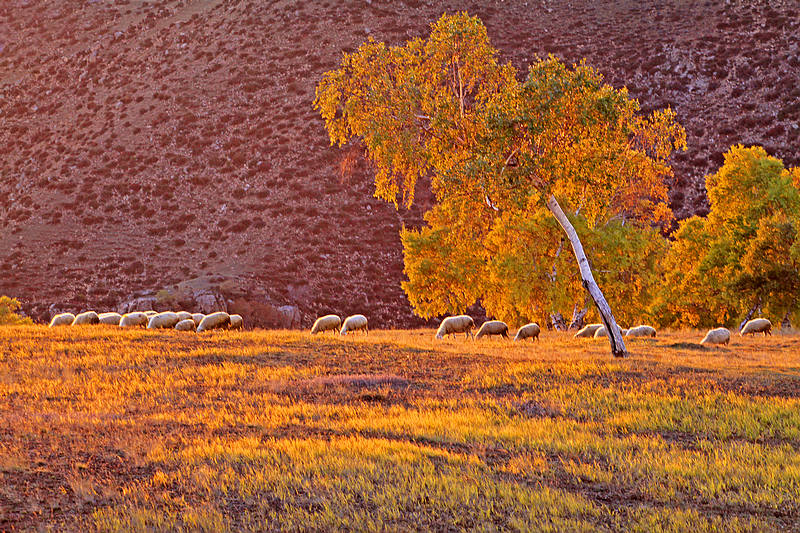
[8, 315]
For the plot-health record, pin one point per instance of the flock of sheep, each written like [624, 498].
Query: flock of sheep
[181, 320]
[185, 321]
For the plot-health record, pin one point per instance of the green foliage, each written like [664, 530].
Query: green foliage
[496, 149]
[8, 312]
[745, 252]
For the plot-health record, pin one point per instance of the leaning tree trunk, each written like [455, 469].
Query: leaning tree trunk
[614, 333]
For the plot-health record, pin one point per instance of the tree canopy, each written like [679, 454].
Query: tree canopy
[498, 151]
[746, 253]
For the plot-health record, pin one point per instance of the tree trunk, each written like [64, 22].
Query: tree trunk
[558, 322]
[578, 316]
[614, 333]
[786, 323]
[750, 313]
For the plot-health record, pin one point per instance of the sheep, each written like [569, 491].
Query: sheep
[325, 323]
[601, 332]
[493, 327]
[132, 320]
[89, 317]
[717, 336]
[150, 313]
[62, 319]
[456, 324]
[237, 322]
[197, 318]
[110, 318]
[757, 325]
[354, 323]
[164, 320]
[528, 331]
[217, 320]
[185, 325]
[588, 331]
[641, 331]
[184, 315]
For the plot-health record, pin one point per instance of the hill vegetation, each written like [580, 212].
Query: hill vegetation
[150, 143]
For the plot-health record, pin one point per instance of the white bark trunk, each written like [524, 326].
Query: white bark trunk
[614, 335]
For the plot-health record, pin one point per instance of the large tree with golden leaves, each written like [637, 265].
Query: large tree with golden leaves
[445, 108]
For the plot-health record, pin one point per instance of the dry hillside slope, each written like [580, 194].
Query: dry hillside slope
[147, 143]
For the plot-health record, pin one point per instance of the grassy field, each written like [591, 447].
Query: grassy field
[118, 430]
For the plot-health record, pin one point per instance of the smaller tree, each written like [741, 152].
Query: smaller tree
[743, 257]
[8, 312]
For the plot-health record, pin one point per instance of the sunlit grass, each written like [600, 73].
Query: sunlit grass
[125, 430]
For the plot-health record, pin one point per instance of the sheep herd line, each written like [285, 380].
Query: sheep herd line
[465, 324]
[452, 325]
[181, 320]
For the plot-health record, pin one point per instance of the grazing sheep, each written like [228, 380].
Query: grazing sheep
[717, 336]
[237, 322]
[110, 318]
[456, 324]
[354, 323]
[601, 332]
[218, 320]
[185, 325]
[757, 325]
[132, 320]
[198, 317]
[62, 319]
[588, 331]
[184, 315]
[642, 331]
[150, 313]
[325, 323]
[493, 327]
[528, 331]
[164, 320]
[89, 317]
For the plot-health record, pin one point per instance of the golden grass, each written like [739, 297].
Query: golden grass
[125, 430]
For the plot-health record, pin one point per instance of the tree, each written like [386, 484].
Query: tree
[520, 269]
[8, 312]
[446, 109]
[744, 256]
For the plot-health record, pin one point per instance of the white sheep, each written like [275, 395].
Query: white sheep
[62, 319]
[588, 331]
[642, 331]
[601, 332]
[150, 313]
[456, 324]
[757, 325]
[354, 323]
[165, 320]
[528, 331]
[717, 336]
[218, 320]
[325, 323]
[132, 320]
[493, 327]
[184, 315]
[237, 322]
[88, 317]
[111, 318]
[185, 325]
[198, 317]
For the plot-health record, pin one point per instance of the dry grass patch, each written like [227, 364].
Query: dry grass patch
[121, 430]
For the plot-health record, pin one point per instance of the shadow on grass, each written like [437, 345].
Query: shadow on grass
[688, 346]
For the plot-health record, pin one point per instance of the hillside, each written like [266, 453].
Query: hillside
[150, 143]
